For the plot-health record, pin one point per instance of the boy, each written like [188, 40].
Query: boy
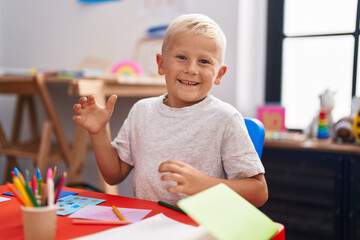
[186, 140]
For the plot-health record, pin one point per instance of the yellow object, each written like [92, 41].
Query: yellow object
[116, 211]
[32, 71]
[23, 193]
[227, 215]
[356, 126]
[21, 178]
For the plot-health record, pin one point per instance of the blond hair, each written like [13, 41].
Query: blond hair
[198, 24]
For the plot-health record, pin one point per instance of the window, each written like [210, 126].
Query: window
[312, 46]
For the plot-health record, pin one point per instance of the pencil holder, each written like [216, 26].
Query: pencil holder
[39, 222]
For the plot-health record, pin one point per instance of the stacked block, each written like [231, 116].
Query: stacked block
[323, 130]
[356, 126]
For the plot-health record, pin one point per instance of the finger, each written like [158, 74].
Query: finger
[83, 101]
[77, 108]
[91, 100]
[76, 118]
[176, 162]
[172, 177]
[176, 189]
[111, 102]
[169, 167]
[171, 161]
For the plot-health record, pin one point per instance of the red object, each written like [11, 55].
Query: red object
[33, 185]
[322, 115]
[11, 226]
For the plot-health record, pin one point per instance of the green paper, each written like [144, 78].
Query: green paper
[227, 215]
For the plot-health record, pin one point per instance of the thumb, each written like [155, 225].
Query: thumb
[111, 102]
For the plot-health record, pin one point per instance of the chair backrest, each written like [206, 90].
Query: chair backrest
[256, 131]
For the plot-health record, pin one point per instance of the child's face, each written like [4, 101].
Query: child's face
[191, 65]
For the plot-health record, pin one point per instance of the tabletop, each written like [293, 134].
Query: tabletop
[11, 226]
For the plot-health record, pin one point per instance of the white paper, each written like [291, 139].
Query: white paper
[4, 199]
[158, 227]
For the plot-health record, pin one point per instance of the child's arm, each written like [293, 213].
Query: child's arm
[191, 181]
[94, 119]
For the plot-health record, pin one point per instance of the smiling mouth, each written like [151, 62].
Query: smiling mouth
[189, 83]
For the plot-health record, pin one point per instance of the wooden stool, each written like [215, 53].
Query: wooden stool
[39, 147]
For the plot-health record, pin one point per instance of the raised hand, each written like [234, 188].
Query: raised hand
[189, 180]
[91, 115]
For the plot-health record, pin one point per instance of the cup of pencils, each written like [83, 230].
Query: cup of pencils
[39, 222]
[38, 202]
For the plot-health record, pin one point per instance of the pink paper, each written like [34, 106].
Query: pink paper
[107, 214]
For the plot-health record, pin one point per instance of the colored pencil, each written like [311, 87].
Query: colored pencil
[24, 196]
[33, 185]
[120, 216]
[40, 183]
[50, 187]
[31, 195]
[19, 175]
[99, 222]
[14, 192]
[59, 186]
[170, 206]
[54, 173]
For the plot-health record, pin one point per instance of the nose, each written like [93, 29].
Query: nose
[191, 67]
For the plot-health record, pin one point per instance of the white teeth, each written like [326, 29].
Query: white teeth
[188, 83]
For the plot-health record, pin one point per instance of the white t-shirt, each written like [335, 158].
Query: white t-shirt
[210, 136]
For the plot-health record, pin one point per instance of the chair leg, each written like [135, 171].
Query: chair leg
[45, 146]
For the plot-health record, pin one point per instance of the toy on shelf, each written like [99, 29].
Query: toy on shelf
[356, 126]
[327, 102]
[127, 68]
[343, 130]
[273, 117]
[323, 130]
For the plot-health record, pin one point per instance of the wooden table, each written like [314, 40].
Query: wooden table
[124, 86]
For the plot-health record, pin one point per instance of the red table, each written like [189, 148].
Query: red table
[11, 226]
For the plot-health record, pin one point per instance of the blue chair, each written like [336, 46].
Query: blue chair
[256, 131]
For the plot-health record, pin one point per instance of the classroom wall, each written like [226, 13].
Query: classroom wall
[60, 34]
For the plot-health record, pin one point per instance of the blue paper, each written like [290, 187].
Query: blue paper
[67, 193]
[72, 203]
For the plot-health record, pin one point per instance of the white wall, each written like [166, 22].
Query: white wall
[60, 34]
[250, 87]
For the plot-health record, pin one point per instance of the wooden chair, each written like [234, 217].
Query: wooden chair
[39, 147]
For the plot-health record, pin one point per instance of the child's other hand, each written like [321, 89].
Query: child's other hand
[92, 116]
[189, 180]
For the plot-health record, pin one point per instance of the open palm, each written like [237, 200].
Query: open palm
[91, 115]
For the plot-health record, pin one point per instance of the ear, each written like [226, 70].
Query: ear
[160, 63]
[220, 74]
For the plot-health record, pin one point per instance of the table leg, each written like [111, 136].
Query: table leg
[109, 189]
[78, 154]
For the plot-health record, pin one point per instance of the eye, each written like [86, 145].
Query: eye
[204, 61]
[181, 57]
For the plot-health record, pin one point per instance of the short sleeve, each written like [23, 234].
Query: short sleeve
[122, 143]
[239, 157]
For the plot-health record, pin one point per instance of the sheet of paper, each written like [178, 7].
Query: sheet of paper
[4, 199]
[107, 214]
[158, 227]
[73, 203]
[64, 193]
[226, 215]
